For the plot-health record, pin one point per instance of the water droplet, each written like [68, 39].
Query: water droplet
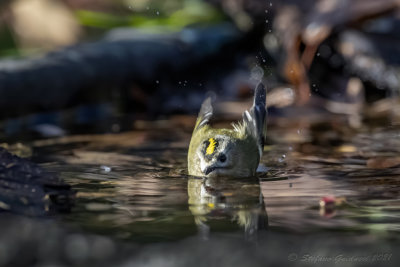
[105, 168]
[318, 54]
[157, 81]
[298, 131]
[257, 73]
[270, 4]
[180, 82]
[158, 13]
[269, 30]
[266, 21]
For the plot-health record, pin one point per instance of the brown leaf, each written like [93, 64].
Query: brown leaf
[383, 162]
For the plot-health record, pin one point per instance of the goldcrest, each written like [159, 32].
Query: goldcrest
[229, 152]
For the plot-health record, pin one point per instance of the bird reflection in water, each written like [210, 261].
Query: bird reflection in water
[225, 204]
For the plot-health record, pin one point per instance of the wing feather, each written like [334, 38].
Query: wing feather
[205, 114]
[255, 119]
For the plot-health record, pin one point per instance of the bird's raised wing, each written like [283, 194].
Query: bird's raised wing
[255, 119]
[205, 113]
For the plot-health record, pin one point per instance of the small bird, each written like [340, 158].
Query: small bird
[229, 152]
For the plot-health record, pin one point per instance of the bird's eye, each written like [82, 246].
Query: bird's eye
[222, 158]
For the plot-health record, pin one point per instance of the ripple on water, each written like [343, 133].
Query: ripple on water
[147, 196]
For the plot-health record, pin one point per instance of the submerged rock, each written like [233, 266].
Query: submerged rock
[27, 188]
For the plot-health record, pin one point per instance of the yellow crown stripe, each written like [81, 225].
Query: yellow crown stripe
[211, 146]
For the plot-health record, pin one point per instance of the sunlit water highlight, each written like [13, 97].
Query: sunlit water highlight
[140, 191]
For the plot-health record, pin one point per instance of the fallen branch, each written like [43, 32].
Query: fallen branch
[58, 79]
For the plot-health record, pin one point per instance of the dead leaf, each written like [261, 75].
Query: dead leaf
[383, 162]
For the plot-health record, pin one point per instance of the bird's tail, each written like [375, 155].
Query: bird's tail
[255, 118]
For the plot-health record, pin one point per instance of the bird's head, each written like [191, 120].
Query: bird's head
[221, 155]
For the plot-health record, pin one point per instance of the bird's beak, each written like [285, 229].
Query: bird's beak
[209, 169]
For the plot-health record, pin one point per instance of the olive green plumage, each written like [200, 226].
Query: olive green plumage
[228, 152]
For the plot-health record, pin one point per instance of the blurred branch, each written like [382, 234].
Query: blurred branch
[302, 26]
[56, 79]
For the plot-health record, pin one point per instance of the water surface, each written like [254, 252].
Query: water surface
[133, 187]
